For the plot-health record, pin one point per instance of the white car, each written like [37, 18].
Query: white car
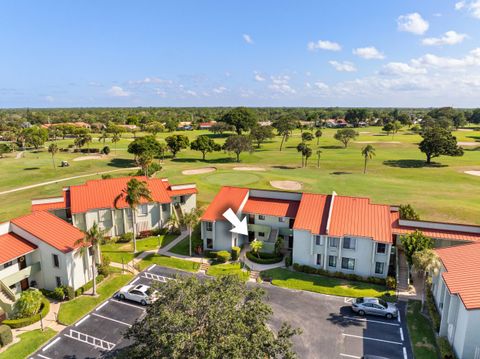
[140, 293]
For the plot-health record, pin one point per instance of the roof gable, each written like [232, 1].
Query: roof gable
[271, 207]
[14, 246]
[227, 197]
[312, 214]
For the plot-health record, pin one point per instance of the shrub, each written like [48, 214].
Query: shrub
[23, 322]
[104, 267]
[125, 238]
[235, 253]
[69, 292]
[265, 258]
[432, 311]
[106, 150]
[223, 256]
[58, 294]
[106, 176]
[28, 304]
[88, 285]
[288, 261]
[6, 336]
[445, 348]
[391, 282]
[211, 254]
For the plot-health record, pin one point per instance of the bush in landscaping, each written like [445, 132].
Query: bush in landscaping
[288, 261]
[58, 294]
[432, 310]
[211, 254]
[69, 292]
[28, 304]
[265, 258]
[235, 253]
[391, 282]
[223, 256]
[445, 348]
[88, 285]
[23, 322]
[106, 150]
[6, 336]
[104, 267]
[125, 238]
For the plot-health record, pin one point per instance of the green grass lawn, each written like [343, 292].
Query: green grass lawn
[73, 310]
[182, 247]
[29, 342]
[325, 285]
[217, 270]
[396, 175]
[118, 251]
[421, 332]
[170, 262]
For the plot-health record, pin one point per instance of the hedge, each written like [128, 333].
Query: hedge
[432, 310]
[89, 285]
[5, 335]
[23, 322]
[223, 256]
[265, 258]
[235, 253]
[348, 276]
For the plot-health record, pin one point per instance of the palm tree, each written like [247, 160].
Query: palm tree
[53, 149]
[367, 152]
[173, 222]
[144, 160]
[300, 148]
[319, 152]
[133, 194]
[103, 136]
[115, 138]
[256, 246]
[307, 152]
[190, 220]
[318, 134]
[427, 261]
[92, 238]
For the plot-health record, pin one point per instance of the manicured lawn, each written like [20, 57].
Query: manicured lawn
[71, 311]
[325, 285]
[217, 270]
[29, 342]
[182, 247]
[170, 262]
[118, 251]
[421, 332]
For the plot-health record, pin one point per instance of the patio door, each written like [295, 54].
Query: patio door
[22, 264]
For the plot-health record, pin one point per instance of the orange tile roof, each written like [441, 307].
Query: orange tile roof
[50, 206]
[462, 274]
[312, 213]
[181, 192]
[50, 229]
[227, 197]
[271, 207]
[433, 233]
[356, 216]
[14, 246]
[102, 193]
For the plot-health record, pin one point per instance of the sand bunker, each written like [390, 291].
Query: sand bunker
[364, 132]
[465, 129]
[468, 143]
[85, 158]
[376, 141]
[198, 171]
[473, 173]
[288, 185]
[249, 169]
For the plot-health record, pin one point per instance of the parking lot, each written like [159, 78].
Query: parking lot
[329, 328]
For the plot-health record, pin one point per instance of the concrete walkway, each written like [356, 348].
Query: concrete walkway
[256, 266]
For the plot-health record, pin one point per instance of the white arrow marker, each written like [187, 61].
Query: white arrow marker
[238, 226]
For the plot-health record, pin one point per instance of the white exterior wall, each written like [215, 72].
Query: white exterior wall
[222, 237]
[78, 267]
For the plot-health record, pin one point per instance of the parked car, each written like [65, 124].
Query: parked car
[374, 306]
[140, 293]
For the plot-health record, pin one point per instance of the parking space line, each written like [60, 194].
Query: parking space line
[151, 267]
[43, 356]
[158, 278]
[405, 353]
[371, 321]
[350, 356]
[401, 334]
[113, 320]
[90, 340]
[130, 305]
[135, 280]
[104, 304]
[398, 318]
[347, 300]
[369, 338]
[50, 344]
[82, 320]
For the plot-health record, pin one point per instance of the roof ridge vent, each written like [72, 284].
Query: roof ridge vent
[330, 209]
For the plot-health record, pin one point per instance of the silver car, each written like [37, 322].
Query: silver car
[374, 306]
[140, 293]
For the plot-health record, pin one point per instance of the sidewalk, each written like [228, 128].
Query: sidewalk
[256, 266]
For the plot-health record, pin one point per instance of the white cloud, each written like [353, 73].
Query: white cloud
[323, 45]
[413, 23]
[247, 38]
[430, 60]
[321, 85]
[220, 89]
[258, 77]
[49, 99]
[344, 66]
[117, 91]
[191, 93]
[280, 84]
[449, 38]
[473, 7]
[160, 92]
[400, 68]
[150, 80]
[368, 53]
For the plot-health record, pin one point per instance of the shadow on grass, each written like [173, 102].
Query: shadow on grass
[412, 164]
[339, 173]
[121, 163]
[472, 149]
[194, 160]
[476, 138]
[284, 167]
[31, 168]
[217, 135]
[332, 147]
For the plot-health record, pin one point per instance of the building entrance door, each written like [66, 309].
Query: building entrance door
[22, 264]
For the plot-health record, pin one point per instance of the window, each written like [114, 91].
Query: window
[381, 248]
[333, 242]
[332, 261]
[209, 243]
[90, 251]
[164, 207]
[8, 264]
[319, 240]
[261, 234]
[379, 266]
[282, 219]
[59, 281]
[143, 209]
[56, 262]
[319, 259]
[209, 226]
[348, 263]
[261, 217]
[349, 243]
[182, 199]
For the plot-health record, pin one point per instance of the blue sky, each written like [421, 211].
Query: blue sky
[226, 53]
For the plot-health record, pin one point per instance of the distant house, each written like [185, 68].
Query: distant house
[129, 127]
[75, 124]
[264, 123]
[336, 123]
[185, 125]
[206, 125]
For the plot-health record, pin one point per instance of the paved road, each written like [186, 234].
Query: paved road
[330, 328]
